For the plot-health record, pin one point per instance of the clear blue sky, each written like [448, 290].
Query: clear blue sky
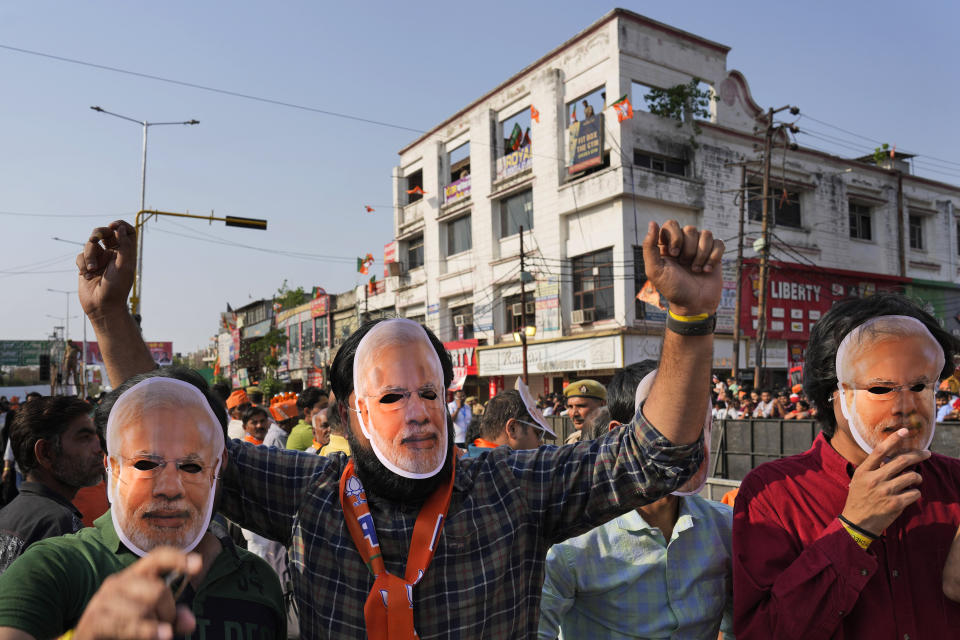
[883, 70]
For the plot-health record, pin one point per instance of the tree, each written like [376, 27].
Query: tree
[682, 102]
[289, 298]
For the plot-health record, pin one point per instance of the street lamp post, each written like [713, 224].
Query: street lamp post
[143, 177]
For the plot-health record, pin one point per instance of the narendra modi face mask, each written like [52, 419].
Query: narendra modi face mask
[399, 398]
[164, 451]
[887, 372]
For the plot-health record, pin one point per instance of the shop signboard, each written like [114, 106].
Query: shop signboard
[799, 295]
[582, 354]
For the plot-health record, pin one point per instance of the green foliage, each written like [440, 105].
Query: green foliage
[269, 384]
[881, 153]
[681, 102]
[289, 298]
[262, 348]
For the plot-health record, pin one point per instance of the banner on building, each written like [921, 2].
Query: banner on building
[514, 162]
[458, 189]
[162, 353]
[586, 144]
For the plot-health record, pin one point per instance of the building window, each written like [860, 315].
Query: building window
[958, 237]
[784, 210]
[415, 252]
[515, 212]
[461, 319]
[916, 232]
[860, 221]
[415, 186]
[586, 106]
[293, 333]
[663, 164]
[513, 312]
[459, 235]
[593, 283]
[306, 334]
[459, 160]
[320, 331]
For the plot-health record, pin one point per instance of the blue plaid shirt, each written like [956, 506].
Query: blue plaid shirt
[507, 508]
[623, 580]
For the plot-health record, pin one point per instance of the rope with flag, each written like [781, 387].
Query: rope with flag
[416, 189]
[369, 208]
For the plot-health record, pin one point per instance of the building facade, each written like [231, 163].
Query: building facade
[546, 153]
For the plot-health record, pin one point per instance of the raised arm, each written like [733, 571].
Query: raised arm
[684, 266]
[107, 267]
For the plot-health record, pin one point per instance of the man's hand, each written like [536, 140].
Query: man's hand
[137, 603]
[880, 488]
[107, 266]
[684, 266]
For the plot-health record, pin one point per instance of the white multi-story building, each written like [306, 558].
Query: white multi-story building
[544, 151]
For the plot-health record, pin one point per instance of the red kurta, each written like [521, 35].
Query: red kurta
[798, 574]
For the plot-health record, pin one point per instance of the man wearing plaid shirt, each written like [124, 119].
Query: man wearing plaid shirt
[506, 507]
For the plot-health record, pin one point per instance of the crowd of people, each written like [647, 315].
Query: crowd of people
[385, 508]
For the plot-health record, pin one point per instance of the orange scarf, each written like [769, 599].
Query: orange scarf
[250, 438]
[485, 444]
[388, 610]
[317, 446]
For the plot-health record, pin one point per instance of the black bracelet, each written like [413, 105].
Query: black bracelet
[857, 528]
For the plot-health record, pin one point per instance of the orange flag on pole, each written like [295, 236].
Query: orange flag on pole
[368, 208]
[534, 114]
[624, 109]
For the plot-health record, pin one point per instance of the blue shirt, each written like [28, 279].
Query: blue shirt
[623, 580]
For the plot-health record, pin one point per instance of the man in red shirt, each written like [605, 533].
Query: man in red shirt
[851, 538]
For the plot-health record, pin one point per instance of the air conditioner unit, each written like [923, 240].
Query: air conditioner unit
[463, 320]
[517, 309]
[395, 268]
[583, 316]
[531, 308]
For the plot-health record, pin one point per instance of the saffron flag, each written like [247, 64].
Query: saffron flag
[624, 109]
[534, 114]
[372, 285]
[893, 152]
[363, 264]
[573, 114]
[368, 208]
[650, 295]
[416, 189]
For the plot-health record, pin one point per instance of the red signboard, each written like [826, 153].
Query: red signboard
[799, 295]
[464, 354]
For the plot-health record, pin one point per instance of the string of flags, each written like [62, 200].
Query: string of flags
[369, 208]
[363, 264]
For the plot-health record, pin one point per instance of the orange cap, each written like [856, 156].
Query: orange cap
[237, 398]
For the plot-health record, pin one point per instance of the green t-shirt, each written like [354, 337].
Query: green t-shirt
[45, 590]
[301, 436]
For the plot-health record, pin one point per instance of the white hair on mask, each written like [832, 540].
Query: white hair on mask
[871, 332]
[372, 348]
[147, 396]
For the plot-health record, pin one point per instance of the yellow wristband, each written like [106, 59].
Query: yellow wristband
[700, 317]
[861, 540]
[67, 636]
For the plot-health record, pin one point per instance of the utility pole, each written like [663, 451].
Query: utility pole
[523, 309]
[764, 252]
[765, 238]
[734, 368]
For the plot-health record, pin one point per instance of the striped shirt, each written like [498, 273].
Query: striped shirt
[507, 508]
[623, 580]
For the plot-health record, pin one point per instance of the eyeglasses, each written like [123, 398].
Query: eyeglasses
[396, 399]
[189, 470]
[883, 393]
